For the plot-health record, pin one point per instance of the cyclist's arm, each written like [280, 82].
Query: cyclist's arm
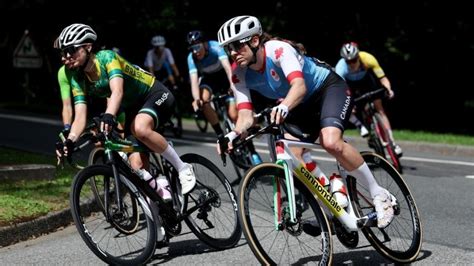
[195, 86]
[386, 83]
[296, 93]
[116, 87]
[244, 120]
[79, 123]
[65, 89]
[228, 69]
[67, 112]
[149, 62]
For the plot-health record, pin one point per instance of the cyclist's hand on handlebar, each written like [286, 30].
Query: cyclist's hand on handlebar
[107, 122]
[390, 93]
[64, 149]
[197, 104]
[279, 114]
[225, 143]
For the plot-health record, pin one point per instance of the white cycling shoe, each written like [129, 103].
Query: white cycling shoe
[364, 132]
[187, 178]
[384, 203]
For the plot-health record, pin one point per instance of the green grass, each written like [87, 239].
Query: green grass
[28, 199]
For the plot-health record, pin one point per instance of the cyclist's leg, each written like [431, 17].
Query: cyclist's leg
[145, 123]
[336, 104]
[209, 112]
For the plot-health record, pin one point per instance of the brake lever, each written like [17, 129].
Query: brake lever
[223, 144]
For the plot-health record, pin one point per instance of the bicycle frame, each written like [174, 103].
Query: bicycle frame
[287, 159]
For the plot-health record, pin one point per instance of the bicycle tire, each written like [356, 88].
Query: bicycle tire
[96, 156]
[389, 242]
[256, 214]
[375, 141]
[94, 229]
[390, 147]
[215, 223]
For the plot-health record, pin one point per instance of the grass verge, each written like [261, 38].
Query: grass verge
[26, 200]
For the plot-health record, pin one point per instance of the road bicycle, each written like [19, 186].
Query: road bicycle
[121, 218]
[288, 217]
[378, 138]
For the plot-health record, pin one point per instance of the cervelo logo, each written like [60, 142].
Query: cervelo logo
[163, 98]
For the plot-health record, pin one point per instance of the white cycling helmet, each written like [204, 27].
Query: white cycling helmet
[350, 51]
[241, 28]
[158, 40]
[76, 34]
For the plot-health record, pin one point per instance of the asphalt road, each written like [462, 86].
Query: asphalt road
[441, 184]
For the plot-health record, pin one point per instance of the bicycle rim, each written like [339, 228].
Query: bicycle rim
[129, 237]
[291, 244]
[216, 221]
[401, 240]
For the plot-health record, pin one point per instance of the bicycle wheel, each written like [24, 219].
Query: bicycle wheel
[390, 147]
[215, 220]
[105, 237]
[290, 243]
[401, 240]
[96, 156]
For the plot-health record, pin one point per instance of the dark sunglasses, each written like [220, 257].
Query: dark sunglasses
[196, 47]
[70, 50]
[234, 46]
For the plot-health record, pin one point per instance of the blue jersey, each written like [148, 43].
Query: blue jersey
[211, 62]
[282, 64]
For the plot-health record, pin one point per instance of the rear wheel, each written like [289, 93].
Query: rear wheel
[215, 219]
[401, 240]
[307, 241]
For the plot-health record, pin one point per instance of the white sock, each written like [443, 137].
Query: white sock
[171, 155]
[366, 179]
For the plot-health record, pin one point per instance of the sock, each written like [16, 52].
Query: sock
[366, 179]
[171, 155]
[217, 128]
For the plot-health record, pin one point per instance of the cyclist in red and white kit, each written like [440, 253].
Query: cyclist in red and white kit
[276, 69]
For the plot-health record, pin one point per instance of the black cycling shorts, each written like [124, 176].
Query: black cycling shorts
[216, 82]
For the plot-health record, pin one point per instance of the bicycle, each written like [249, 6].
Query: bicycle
[121, 218]
[284, 222]
[378, 138]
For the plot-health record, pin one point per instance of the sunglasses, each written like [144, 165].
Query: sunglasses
[234, 46]
[70, 50]
[195, 47]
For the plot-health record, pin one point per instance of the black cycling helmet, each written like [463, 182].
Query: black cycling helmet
[195, 36]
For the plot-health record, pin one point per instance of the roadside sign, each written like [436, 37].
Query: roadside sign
[26, 54]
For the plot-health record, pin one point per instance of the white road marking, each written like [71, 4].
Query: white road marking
[470, 176]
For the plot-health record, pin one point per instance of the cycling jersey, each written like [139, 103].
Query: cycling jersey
[368, 63]
[282, 64]
[211, 62]
[137, 82]
[64, 77]
[159, 62]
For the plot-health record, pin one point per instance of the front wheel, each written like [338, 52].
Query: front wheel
[389, 145]
[264, 215]
[119, 238]
[214, 220]
[401, 240]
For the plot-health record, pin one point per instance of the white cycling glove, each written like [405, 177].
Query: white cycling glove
[280, 110]
[231, 136]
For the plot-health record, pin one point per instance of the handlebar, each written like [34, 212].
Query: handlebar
[371, 96]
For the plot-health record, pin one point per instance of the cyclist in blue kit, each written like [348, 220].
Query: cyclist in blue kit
[210, 72]
[310, 89]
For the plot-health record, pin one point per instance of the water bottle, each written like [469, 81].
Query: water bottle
[315, 170]
[338, 190]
